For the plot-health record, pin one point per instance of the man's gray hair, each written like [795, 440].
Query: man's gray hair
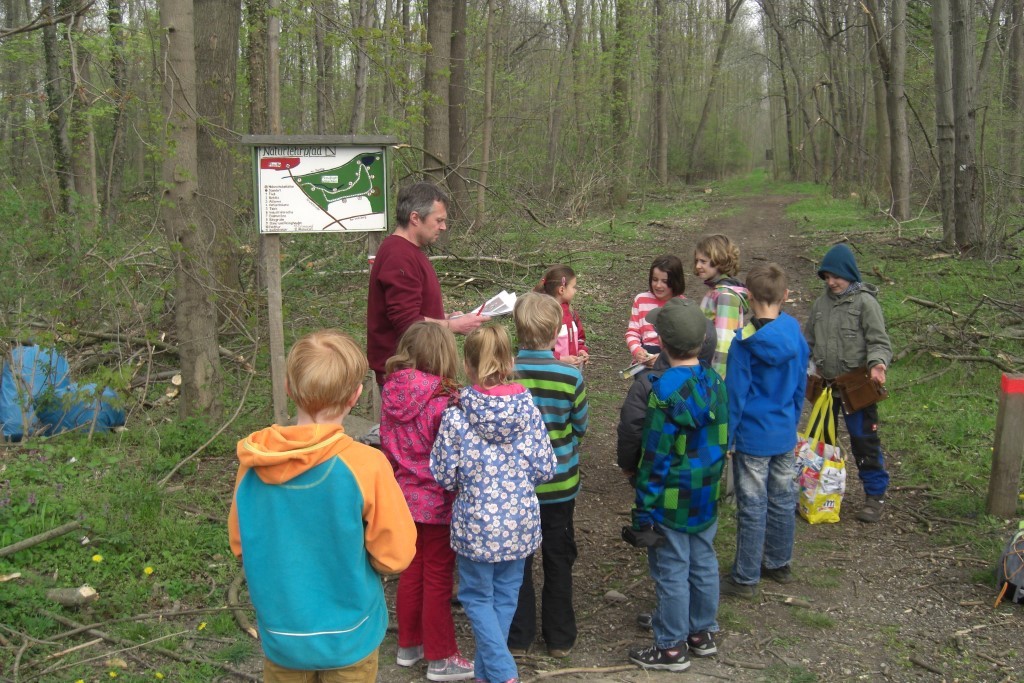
[419, 198]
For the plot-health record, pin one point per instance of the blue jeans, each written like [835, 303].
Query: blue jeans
[765, 513]
[685, 573]
[489, 592]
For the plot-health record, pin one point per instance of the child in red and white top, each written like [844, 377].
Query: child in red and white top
[571, 343]
[665, 281]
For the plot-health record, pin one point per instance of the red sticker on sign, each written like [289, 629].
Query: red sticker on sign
[278, 163]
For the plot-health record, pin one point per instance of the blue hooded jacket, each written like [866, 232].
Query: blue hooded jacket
[840, 261]
[766, 380]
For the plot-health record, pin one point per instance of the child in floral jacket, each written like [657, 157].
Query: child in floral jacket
[494, 449]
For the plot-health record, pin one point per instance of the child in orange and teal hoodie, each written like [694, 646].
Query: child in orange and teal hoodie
[316, 519]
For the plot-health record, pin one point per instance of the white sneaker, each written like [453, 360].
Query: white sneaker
[408, 656]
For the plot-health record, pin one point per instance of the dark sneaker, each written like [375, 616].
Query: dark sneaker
[737, 590]
[702, 644]
[454, 668]
[518, 652]
[560, 652]
[645, 620]
[871, 511]
[673, 659]
[781, 574]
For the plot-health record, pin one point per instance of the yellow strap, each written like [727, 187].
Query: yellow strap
[817, 412]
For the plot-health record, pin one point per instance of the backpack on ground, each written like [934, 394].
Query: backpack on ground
[1010, 570]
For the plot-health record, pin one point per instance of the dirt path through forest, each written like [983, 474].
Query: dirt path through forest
[883, 602]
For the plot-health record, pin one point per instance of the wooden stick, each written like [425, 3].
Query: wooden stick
[916, 659]
[945, 308]
[40, 538]
[240, 616]
[581, 670]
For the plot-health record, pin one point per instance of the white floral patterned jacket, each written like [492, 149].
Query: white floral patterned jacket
[493, 450]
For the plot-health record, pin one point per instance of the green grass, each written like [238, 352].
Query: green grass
[937, 427]
[812, 619]
[778, 673]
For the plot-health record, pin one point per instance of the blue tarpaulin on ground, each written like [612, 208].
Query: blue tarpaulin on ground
[37, 397]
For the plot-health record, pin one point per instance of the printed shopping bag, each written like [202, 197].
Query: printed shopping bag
[822, 470]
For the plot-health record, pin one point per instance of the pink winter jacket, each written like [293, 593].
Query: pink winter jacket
[411, 406]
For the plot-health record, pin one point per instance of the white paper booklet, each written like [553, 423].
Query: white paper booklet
[499, 304]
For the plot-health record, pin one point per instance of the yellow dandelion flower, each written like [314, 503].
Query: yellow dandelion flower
[112, 674]
[97, 558]
[147, 571]
[158, 675]
[79, 681]
[202, 625]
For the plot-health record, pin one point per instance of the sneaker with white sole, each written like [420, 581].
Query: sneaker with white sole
[672, 659]
[454, 668]
[702, 644]
[408, 656]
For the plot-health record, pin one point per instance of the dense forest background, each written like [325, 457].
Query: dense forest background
[127, 200]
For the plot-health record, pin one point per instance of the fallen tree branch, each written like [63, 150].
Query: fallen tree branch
[187, 659]
[581, 670]
[40, 538]
[916, 659]
[945, 308]
[240, 616]
[998, 362]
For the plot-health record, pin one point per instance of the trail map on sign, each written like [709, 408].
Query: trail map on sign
[327, 188]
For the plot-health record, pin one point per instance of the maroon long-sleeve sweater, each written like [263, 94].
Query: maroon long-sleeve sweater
[403, 289]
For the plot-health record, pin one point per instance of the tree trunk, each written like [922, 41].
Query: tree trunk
[120, 94]
[661, 87]
[896, 104]
[256, 21]
[966, 185]
[82, 138]
[457, 115]
[362, 15]
[731, 8]
[57, 112]
[436, 83]
[488, 122]
[216, 53]
[573, 23]
[194, 313]
[320, 54]
[621, 76]
[883, 122]
[1015, 99]
[944, 138]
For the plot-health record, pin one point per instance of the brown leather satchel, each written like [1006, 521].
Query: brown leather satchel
[858, 391]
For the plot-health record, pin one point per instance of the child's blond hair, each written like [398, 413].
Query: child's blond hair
[488, 352]
[767, 283]
[538, 317]
[325, 369]
[427, 347]
[723, 254]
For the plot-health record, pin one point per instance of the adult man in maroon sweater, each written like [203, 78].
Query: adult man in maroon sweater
[403, 285]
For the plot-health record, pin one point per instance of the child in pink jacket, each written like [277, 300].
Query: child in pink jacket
[419, 384]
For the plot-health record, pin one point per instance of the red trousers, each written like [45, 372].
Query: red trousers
[424, 600]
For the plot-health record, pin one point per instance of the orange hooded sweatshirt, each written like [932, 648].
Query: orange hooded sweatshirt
[317, 517]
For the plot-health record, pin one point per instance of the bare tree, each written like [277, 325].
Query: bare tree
[436, 82]
[458, 143]
[966, 184]
[194, 314]
[216, 53]
[731, 9]
[944, 138]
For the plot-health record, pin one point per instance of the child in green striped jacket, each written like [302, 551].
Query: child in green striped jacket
[558, 392]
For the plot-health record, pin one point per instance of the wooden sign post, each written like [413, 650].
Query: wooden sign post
[312, 184]
[1008, 452]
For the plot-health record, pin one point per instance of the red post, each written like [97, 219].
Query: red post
[1008, 452]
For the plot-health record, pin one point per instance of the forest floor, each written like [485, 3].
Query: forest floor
[875, 602]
